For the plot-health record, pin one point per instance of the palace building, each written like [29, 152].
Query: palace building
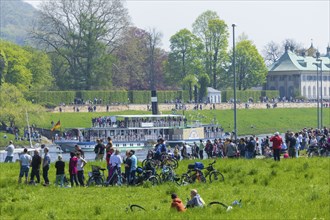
[296, 75]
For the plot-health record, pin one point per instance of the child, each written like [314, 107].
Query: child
[177, 203]
[285, 155]
[59, 165]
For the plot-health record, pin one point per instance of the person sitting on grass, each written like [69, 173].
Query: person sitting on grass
[196, 200]
[177, 203]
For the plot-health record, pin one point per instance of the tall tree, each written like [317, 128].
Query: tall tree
[218, 32]
[250, 67]
[84, 33]
[190, 80]
[201, 29]
[131, 61]
[185, 55]
[271, 52]
[152, 44]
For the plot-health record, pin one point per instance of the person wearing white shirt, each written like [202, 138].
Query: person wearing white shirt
[10, 152]
[115, 162]
[25, 161]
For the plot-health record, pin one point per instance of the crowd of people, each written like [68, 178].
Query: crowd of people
[249, 147]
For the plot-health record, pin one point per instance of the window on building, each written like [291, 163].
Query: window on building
[309, 92]
[309, 78]
[325, 91]
[282, 78]
[289, 78]
[304, 91]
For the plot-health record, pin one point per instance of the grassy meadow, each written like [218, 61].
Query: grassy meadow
[289, 189]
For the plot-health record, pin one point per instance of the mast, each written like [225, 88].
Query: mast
[27, 121]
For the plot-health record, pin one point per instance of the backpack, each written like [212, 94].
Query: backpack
[199, 165]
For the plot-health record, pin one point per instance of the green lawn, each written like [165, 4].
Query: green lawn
[289, 189]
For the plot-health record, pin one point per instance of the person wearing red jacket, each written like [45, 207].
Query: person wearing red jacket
[177, 203]
[277, 143]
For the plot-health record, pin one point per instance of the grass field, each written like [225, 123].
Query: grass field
[289, 189]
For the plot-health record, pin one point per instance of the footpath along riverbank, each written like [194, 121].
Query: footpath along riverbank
[171, 106]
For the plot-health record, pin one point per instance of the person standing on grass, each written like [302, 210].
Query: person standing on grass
[99, 150]
[115, 162]
[73, 170]
[45, 166]
[277, 143]
[80, 167]
[128, 163]
[177, 203]
[79, 150]
[292, 145]
[250, 148]
[133, 167]
[60, 166]
[25, 161]
[201, 149]
[231, 149]
[35, 164]
[10, 152]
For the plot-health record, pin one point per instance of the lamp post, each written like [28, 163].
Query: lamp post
[317, 94]
[321, 94]
[234, 65]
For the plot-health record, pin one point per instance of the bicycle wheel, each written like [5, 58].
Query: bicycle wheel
[136, 208]
[95, 181]
[153, 180]
[171, 163]
[153, 163]
[186, 179]
[216, 176]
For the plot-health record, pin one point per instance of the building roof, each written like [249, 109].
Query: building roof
[210, 89]
[290, 61]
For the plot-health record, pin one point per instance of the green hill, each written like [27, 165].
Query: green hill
[16, 19]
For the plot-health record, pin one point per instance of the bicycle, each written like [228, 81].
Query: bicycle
[96, 178]
[168, 175]
[114, 180]
[165, 160]
[213, 174]
[145, 175]
[193, 174]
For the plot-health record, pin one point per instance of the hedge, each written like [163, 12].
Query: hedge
[245, 95]
[137, 96]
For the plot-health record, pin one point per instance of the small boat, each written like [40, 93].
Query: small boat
[136, 132]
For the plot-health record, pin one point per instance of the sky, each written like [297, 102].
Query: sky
[305, 21]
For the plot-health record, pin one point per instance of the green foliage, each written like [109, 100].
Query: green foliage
[308, 197]
[250, 67]
[244, 96]
[14, 106]
[26, 68]
[185, 56]
[54, 97]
